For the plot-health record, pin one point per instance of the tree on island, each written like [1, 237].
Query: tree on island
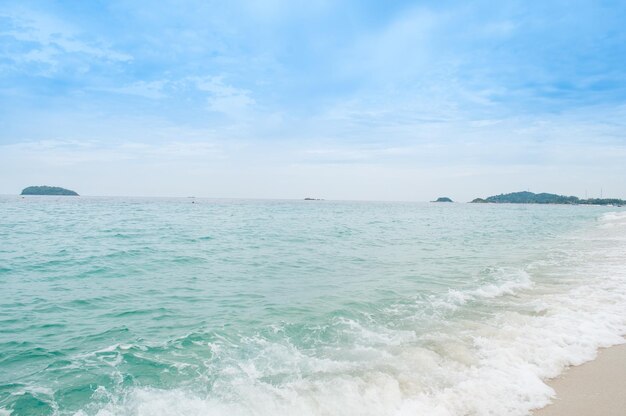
[545, 198]
[48, 190]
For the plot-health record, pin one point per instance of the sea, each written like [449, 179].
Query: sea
[191, 306]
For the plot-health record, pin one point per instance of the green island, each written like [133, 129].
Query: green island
[443, 199]
[546, 198]
[47, 190]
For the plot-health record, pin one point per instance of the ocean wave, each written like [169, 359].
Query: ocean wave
[613, 219]
[614, 216]
[503, 281]
[494, 367]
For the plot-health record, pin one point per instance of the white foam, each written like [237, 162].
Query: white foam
[617, 216]
[507, 282]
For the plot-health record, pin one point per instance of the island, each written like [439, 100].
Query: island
[443, 199]
[313, 199]
[526, 197]
[48, 190]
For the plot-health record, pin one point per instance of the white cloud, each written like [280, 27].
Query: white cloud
[71, 153]
[50, 40]
[148, 89]
[220, 97]
[224, 98]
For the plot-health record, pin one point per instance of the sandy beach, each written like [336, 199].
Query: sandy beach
[594, 388]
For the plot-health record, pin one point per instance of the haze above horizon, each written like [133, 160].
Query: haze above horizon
[336, 100]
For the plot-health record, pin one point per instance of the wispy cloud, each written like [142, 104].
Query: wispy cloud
[224, 98]
[47, 153]
[147, 89]
[41, 42]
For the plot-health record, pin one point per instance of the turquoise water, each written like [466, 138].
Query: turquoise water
[113, 306]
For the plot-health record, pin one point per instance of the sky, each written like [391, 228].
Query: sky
[363, 100]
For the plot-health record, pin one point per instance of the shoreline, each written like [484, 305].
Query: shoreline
[597, 387]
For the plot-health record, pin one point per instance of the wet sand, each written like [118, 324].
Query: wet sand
[596, 388]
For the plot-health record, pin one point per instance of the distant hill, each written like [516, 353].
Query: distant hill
[443, 199]
[47, 190]
[531, 198]
[545, 198]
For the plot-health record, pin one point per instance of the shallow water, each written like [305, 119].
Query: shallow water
[113, 306]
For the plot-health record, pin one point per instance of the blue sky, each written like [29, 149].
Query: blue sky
[336, 99]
